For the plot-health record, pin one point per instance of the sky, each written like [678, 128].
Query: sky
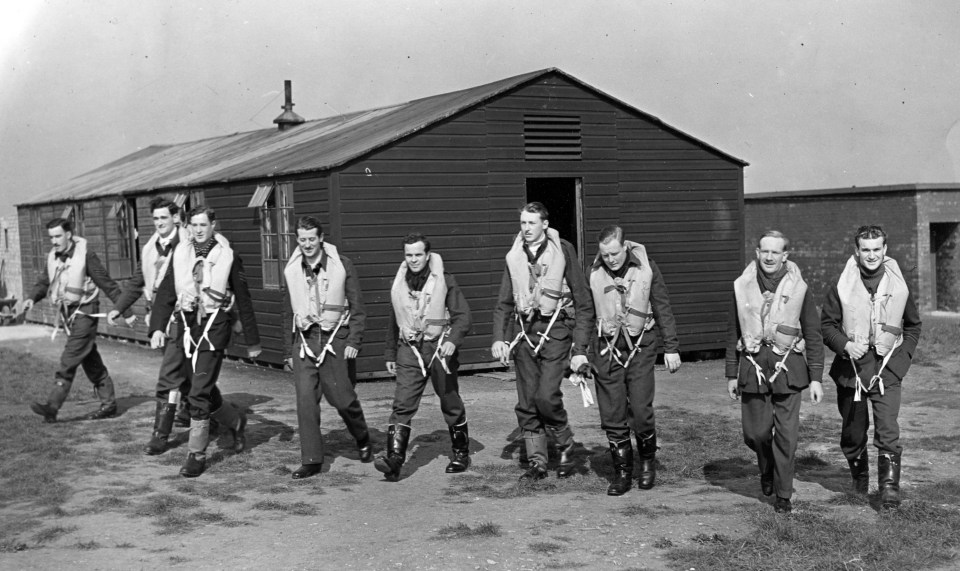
[813, 94]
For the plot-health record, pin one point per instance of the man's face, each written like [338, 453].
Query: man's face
[613, 254]
[202, 228]
[310, 242]
[416, 256]
[870, 253]
[164, 222]
[60, 239]
[771, 255]
[532, 227]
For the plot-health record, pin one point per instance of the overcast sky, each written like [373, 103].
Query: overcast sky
[812, 94]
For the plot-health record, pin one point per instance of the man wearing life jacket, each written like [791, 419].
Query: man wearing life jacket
[203, 280]
[429, 321]
[73, 282]
[774, 352]
[544, 307]
[633, 310]
[327, 323]
[869, 319]
[155, 258]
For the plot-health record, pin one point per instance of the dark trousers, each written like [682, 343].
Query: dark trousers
[81, 351]
[625, 396]
[331, 379]
[539, 398]
[771, 425]
[173, 374]
[411, 382]
[204, 396]
[856, 420]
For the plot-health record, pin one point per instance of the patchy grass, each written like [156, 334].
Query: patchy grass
[647, 512]
[87, 545]
[27, 377]
[939, 342]
[293, 508]
[108, 503]
[213, 492]
[945, 492]
[545, 547]
[463, 531]
[938, 443]
[163, 504]
[53, 533]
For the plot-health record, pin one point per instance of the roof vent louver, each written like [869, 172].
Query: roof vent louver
[551, 138]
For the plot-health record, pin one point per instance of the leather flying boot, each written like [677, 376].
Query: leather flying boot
[365, 452]
[230, 416]
[48, 410]
[565, 444]
[647, 451]
[536, 447]
[162, 425]
[782, 505]
[182, 419]
[860, 471]
[391, 460]
[766, 481]
[460, 442]
[197, 445]
[622, 454]
[888, 477]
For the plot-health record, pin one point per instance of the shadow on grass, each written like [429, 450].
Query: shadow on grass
[428, 447]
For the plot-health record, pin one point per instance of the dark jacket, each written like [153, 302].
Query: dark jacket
[133, 287]
[582, 324]
[460, 319]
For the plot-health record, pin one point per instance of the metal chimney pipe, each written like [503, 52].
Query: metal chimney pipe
[288, 118]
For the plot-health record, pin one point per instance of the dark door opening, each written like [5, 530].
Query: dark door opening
[945, 265]
[562, 197]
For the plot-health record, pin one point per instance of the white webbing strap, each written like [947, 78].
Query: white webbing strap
[437, 355]
[760, 376]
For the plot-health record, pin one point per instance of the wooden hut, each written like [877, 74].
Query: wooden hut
[455, 167]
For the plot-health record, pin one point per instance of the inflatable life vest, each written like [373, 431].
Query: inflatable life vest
[69, 282]
[878, 321]
[770, 318]
[623, 302]
[317, 299]
[203, 283]
[538, 286]
[421, 314]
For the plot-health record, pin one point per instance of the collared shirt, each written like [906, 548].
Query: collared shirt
[541, 248]
[164, 244]
[62, 256]
[315, 268]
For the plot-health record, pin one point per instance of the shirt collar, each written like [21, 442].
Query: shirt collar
[321, 263]
[69, 253]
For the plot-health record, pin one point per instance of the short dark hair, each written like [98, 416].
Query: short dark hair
[163, 202]
[414, 237]
[611, 232]
[536, 208]
[869, 232]
[775, 234]
[309, 223]
[202, 209]
[62, 223]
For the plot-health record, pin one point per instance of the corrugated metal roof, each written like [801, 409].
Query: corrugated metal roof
[823, 192]
[316, 145]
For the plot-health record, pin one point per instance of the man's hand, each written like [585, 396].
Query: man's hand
[254, 351]
[816, 392]
[447, 349]
[855, 350]
[158, 339]
[732, 389]
[112, 317]
[131, 320]
[672, 361]
[350, 352]
[27, 305]
[501, 352]
[392, 368]
[578, 361]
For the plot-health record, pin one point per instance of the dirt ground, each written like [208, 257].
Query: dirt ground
[363, 522]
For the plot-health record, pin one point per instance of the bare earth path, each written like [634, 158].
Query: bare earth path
[248, 514]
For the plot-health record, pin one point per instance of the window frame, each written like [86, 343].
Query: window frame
[277, 233]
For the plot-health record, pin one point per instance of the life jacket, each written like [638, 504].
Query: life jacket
[421, 314]
[318, 299]
[538, 286]
[69, 282]
[154, 265]
[878, 321]
[623, 302]
[770, 318]
[202, 284]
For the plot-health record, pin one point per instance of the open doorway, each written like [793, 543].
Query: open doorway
[563, 199]
[945, 265]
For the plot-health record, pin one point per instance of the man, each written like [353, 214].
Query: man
[544, 308]
[328, 320]
[73, 281]
[630, 299]
[430, 319]
[155, 258]
[203, 280]
[869, 319]
[773, 326]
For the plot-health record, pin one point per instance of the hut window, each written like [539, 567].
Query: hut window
[187, 201]
[122, 248]
[41, 239]
[551, 138]
[277, 236]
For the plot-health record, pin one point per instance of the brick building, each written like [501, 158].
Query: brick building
[922, 222]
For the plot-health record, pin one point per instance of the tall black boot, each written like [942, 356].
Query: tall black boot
[888, 477]
[860, 470]
[647, 451]
[235, 420]
[565, 443]
[460, 441]
[49, 409]
[391, 460]
[108, 400]
[162, 425]
[622, 454]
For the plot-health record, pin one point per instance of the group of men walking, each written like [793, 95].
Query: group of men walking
[550, 317]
